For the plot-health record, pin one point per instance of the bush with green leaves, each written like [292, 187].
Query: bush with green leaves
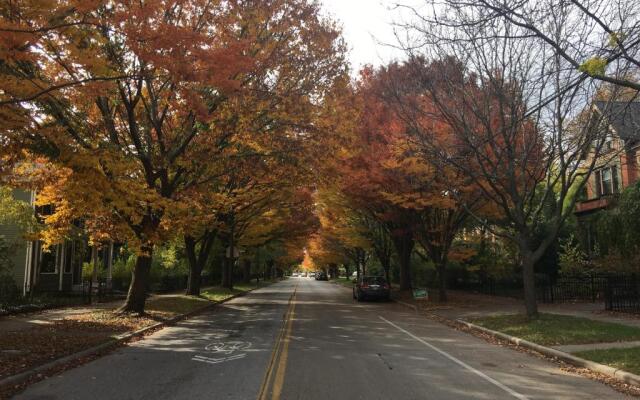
[8, 287]
[618, 232]
[572, 258]
[168, 265]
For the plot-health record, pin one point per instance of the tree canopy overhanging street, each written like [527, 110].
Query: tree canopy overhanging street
[159, 157]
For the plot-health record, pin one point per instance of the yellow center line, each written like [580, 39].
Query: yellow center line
[282, 364]
[277, 356]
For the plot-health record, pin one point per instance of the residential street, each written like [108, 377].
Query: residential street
[332, 348]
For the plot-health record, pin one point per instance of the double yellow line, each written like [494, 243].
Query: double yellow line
[274, 377]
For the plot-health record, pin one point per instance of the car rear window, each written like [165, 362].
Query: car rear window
[374, 280]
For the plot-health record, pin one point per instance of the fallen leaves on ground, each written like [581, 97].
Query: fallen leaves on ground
[27, 348]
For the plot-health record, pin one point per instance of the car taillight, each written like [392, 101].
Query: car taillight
[364, 286]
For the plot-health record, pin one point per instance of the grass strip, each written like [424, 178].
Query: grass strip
[554, 329]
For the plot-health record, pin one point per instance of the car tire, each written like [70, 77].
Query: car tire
[359, 297]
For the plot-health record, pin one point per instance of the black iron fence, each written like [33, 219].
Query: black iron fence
[623, 293]
[618, 291]
[572, 288]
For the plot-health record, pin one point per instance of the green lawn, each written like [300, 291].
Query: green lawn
[219, 294]
[625, 359]
[175, 305]
[553, 329]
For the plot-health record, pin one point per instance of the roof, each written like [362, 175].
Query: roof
[623, 116]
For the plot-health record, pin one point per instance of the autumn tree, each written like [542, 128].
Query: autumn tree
[342, 236]
[441, 197]
[510, 106]
[126, 97]
[368, 175]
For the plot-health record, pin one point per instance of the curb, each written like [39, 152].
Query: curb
[122, 338]
[411, 306]
[624, 376]
[618, 374]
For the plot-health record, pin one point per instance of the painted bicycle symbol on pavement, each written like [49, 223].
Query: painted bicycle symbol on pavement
[225, 348]
[228, 347]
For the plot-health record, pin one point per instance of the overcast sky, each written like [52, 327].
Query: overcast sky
[366, 23]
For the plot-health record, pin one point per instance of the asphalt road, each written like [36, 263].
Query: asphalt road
[329, 347]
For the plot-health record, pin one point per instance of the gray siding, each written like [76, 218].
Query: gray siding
[13, 234]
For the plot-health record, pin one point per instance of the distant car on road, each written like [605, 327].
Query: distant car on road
[295, 275]
[371, 287]
[322, 276]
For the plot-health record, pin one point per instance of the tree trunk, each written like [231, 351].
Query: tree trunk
[529, 283]
[197, 260]
[404, 248]
[246, 271]
[442, 281]
[227, 273]
[386, 266]
[271, 269]
[195, 272]
[346, 270]
[137, 294]
[333, 270]
[194, 283]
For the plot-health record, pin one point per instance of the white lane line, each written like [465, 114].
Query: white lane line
[459, 362]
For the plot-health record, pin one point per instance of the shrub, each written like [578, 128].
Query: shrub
[8, 288]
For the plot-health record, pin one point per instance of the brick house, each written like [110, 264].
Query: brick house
[617, 166]
[59, 268]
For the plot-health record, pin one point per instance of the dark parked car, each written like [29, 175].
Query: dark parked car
[371, 287]
[322, 276]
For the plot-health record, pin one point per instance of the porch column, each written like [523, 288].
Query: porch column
[26, 286]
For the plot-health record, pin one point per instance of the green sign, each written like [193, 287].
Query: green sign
[420, 293]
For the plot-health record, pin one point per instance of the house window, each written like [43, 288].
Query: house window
[607, 144]
[48, 261]
[606, 181]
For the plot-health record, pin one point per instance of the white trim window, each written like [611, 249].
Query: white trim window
[606, 181]
[49, 261]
